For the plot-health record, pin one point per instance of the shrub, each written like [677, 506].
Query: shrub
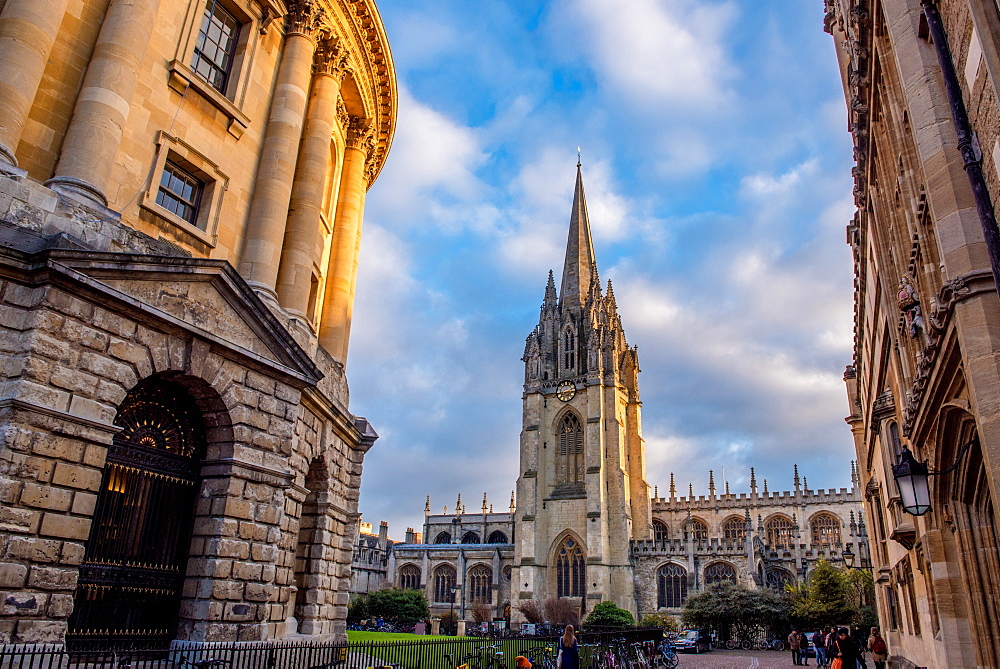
[396, 604]
[608, 614]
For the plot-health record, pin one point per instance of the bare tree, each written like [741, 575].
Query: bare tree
[481, 612]
[531, 611]
[561, 611]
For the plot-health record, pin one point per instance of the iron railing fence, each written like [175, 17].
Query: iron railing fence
[478, 653]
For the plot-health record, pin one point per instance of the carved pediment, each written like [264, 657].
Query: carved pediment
[205, 297]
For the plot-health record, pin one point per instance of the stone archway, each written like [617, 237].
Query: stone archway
[133, 570]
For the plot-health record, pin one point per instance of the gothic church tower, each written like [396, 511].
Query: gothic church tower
[582, 491]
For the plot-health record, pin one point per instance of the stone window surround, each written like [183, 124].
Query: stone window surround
[215, 185]
[254, 18]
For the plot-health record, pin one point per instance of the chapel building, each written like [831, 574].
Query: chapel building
[584, 524]
[182, 188]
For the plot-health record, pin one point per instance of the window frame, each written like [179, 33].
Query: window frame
[214, 185]
[198, 54]
[254, 19]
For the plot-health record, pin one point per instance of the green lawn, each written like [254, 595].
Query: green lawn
[410, 651]
[358, 635]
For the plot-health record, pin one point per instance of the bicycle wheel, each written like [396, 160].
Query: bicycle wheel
[777, 644]
[732, 644]
[746, 645]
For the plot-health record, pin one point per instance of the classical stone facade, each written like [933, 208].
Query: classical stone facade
[584, 524]
[177, 455]
[921, 80]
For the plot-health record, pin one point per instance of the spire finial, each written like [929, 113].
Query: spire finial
[512, 501]
[427, 506]
[485, 506]
[690, 491]
[656, 492]
[765, 486]
[579, 161]
[711, 482]
[727, 488]
[673, 488]
[458, 505]
[753, 481]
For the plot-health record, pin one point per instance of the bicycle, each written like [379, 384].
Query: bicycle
[483, 659]
[209, 663]
[666, 656]
[542, 657]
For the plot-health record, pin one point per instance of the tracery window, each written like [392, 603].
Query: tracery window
[444, 583]
[780, 533]
[480, 580]
[698, 529]
[443, 538]
[718, 572]
[571, 569]
[570, 469]
[470, 538]
[660, 533]
[671, 586]
[825, 530]
[409, 577]
[497, 537]
[734, 528]
[777, 578]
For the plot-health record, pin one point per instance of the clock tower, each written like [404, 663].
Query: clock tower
[581, 490]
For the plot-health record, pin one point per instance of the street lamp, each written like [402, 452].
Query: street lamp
[912, 480]
[849, 558]
[451, 608]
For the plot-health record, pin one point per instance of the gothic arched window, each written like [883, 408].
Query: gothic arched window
[660, 533]
[718, 572]
[698, 529]
[825, 530]
[444, 583]
[671, 586]
[571, 569]
[470, 538]
[569, 350]
[734, 528]
[442, 538]
[779, 533]
[409, 577]
[497, 537]
[480, 580]
[570, 453]
[777, 578]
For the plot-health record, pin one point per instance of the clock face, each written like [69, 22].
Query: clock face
[566, 391]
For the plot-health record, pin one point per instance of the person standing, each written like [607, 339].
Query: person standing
[819, 643]
[845, 649]
[795, 644]
[569, 651]
[879, 649]
[861, 641]
[803, 649]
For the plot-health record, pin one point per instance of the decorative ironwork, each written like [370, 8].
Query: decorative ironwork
[133, 568]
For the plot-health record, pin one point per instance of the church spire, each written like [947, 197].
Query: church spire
[581, 264]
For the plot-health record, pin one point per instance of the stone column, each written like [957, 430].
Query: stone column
[27, 31]
[91, 143]
[302, 247]
[276, 169]
[342, 274]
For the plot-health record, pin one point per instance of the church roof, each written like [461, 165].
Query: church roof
[581, 263]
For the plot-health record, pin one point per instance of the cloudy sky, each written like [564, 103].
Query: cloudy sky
[716, 162]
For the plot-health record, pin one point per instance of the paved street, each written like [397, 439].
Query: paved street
[738, 659]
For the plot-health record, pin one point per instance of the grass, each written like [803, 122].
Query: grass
[411, 651]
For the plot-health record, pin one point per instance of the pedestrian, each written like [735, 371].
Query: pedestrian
[843, 651]
[819, 643]
[861, 640]
[804, 649]
[795, 645]
[569, 651]
[831, 636]
[879, 649]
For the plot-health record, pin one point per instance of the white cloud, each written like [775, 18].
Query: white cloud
[659, 52]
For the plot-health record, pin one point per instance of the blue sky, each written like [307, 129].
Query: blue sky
[716, 161]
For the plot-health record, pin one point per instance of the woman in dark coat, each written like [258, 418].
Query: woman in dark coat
[569, 651]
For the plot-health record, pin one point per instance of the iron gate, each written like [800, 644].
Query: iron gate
[133, 568]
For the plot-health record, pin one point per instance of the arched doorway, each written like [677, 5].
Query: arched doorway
[130, 580]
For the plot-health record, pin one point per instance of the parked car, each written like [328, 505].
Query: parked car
[692, 641]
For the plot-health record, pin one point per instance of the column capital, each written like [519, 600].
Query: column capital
[343, 117]
[359, 134]
[304, 18]
[331, 58]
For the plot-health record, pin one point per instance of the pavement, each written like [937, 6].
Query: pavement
[738, 659]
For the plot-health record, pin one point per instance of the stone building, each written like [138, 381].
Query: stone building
[182, 187]
[922, 81]
[584, 524]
